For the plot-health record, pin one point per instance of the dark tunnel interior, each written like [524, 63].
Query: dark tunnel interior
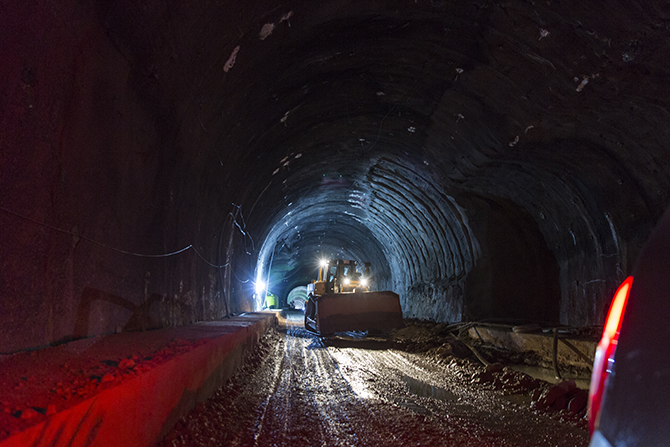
[493, 160]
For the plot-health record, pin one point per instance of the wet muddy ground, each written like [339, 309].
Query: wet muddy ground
[301, 390]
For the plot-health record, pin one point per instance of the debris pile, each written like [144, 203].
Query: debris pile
[446, 345]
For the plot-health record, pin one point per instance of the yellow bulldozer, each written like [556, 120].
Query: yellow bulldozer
[340, 300]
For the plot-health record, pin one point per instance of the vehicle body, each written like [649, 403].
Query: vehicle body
[341, 300]
[630, 387]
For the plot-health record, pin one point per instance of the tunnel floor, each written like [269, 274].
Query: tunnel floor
[302, 390]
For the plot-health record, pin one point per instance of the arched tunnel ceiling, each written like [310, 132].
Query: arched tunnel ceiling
[395, 118]
[485, 156]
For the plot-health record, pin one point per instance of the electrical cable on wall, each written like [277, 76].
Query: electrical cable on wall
[242, 228]
[142, 255]
[241, 281]
[206, 261]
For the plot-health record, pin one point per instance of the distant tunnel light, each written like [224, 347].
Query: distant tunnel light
[297, 297]
[606, 349]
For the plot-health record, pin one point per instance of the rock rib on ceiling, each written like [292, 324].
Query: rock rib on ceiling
[485, 156]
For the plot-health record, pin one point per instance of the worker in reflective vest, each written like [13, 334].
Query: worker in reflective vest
[270, 301]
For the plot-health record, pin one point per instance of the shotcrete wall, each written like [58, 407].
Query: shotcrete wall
[149, 151]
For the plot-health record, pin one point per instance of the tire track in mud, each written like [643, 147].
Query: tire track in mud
[291, 419]
[299, 392]
[305, 409]
[321, 405]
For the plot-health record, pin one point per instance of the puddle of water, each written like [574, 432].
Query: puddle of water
[422, 389]
[548, 375]
[413, 406]
[286, 318]
[294, 316]
[520, 399]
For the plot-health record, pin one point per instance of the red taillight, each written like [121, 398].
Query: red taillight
[606, 349]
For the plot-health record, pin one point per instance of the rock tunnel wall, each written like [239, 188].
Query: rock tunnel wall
[99, 181]
[152, 152]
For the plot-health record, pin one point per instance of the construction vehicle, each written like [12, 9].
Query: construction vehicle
[341, 300]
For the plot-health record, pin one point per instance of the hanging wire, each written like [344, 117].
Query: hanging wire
[242, 228]
[207, 262]
[142, 255]
[238, 278]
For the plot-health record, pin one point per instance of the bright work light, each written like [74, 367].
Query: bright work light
[260, 287]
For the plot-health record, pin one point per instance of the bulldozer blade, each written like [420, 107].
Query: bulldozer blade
[359, 311]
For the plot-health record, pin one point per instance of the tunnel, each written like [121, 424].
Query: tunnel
[167, 163]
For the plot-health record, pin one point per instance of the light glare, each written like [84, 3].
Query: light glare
[260, 287]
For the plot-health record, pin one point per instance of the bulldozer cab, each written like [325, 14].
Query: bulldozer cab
[331, 273]
[324, 283]
[349, 271]
[338, 276]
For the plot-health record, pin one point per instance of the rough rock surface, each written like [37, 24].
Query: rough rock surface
[492, 159]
